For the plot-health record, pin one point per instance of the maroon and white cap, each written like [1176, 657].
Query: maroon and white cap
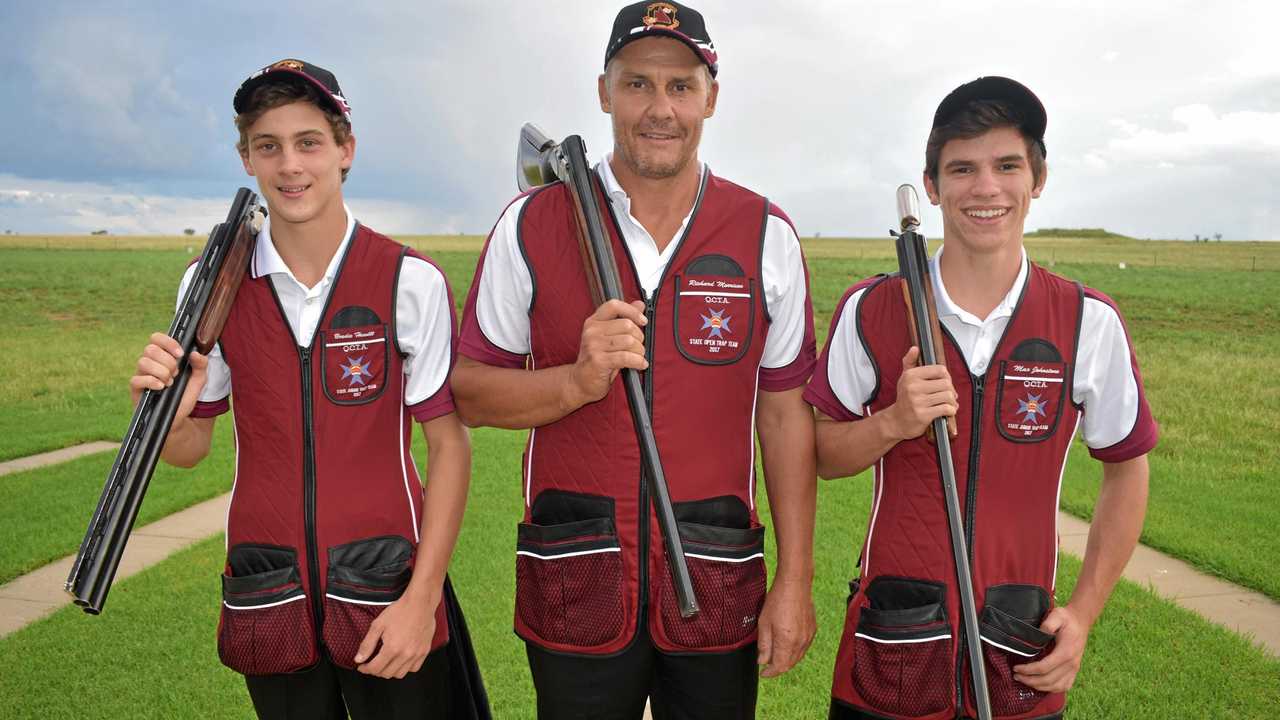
[321, 79]
[646, 19]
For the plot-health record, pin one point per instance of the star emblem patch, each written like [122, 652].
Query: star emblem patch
[716, 323]
[357, 370]
[1031, 407]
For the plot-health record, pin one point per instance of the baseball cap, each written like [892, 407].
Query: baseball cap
[1027, 108]
[646, 19]
[321, 79]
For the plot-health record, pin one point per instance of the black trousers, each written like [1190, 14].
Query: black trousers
[679, 687]
[328, 692]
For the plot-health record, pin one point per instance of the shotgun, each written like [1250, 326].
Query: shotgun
[538, 162]
[197, 325]
[913, 265]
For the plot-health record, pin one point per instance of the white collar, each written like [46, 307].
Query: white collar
[267, 260]
[614, 189]
[946, 306]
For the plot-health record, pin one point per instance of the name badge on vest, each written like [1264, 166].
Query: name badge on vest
[354, 356]
[714, 310]
[1032, 392]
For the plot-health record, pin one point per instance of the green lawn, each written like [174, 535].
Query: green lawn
[1205, 338]
[1147, 658]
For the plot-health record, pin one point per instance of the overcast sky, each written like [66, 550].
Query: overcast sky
[1164, 117]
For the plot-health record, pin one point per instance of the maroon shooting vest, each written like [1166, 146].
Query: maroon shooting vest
[327, 504]
[902, 654]
[590, 557]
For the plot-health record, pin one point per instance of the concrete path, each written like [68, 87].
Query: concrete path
[39, 593]
[1244, 611]
[57, 456]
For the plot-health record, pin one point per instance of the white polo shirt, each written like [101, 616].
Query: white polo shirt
[506, 286]
[1104, 382]
[424, 320]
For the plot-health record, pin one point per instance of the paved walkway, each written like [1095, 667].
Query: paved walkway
[39, 593]
[57, 456]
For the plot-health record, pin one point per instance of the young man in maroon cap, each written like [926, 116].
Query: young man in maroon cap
[719, 321]
[337, 340]
[1030, 358]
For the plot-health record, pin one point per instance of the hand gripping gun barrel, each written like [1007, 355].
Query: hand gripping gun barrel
[197, 325]
[540, 161]
[922, 313]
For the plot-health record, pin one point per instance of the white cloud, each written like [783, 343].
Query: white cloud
[1204, 135]
[35, 206]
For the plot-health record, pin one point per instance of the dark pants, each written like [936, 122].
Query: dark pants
[327, 692]
[679, 687]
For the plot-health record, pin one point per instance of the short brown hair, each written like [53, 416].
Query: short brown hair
[271, 95]
[978, 118]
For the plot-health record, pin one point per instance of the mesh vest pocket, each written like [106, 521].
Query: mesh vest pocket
[265, 627]
[364, 577]
[903, 648]
[1010, 632]
[726, 566]
[569, 581]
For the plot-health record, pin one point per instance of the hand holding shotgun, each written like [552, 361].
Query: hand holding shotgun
[922, 313]
[539, 161]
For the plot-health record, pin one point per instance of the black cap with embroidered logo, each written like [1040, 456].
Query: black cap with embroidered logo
[646, 19]
[321, 79]
[1027, 108]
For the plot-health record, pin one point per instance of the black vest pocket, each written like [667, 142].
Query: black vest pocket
[903, 647]
[714, 311]
[1011, 635]
[364, 577]
[265, 627]
[569, 570]
[353, 362]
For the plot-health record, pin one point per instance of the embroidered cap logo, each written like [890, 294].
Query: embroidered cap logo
[288, 64]
[661, 15]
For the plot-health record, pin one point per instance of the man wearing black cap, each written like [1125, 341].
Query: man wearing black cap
[1030, 358]
[721, 325]
[338, 338]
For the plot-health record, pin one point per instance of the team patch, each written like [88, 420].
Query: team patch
[714, 317]
[1030, 398]
[354, 363]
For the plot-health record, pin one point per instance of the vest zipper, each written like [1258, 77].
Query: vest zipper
[970, 509]
[651, 314]
[309, 494]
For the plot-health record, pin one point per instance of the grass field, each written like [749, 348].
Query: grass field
[1205, 327]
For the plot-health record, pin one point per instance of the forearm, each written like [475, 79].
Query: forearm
[188, 442]
[448, 477]
[784, 423]
[509, 398]
[848, 448]
[1117, 524]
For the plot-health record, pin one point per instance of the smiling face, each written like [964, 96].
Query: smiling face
[658, 93]
[984, 186]
[292, 152]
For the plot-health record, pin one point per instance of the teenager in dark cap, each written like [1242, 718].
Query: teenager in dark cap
[338, 340]
[1030, 359]
[718, 318]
